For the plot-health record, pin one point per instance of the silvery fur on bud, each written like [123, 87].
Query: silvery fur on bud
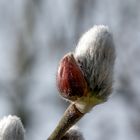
[95, 54]
[73, 134]
[11, 128]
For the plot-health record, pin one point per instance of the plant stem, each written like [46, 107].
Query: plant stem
[70, 117]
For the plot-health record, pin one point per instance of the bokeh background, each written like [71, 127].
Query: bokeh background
[35, 34]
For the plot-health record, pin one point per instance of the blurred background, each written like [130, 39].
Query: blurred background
[35, 34]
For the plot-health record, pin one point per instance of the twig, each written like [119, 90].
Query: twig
[70, 117]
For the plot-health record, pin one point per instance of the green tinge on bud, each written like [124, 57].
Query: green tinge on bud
[95, 54]
[70, 79]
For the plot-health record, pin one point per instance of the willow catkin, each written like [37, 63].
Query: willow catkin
[11, 128]
[95, 54]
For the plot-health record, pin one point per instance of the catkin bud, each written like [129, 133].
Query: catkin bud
[11, 128]
[85, 78]
[73, 134]
[95, 54]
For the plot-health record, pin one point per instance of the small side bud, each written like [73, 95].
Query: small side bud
[73, 134]
[70, 79]
[11, 128]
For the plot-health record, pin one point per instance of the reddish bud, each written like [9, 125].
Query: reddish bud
[70, 79]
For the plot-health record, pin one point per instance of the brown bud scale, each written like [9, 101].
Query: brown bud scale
[70, 79]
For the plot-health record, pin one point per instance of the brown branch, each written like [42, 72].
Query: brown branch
[70, 117]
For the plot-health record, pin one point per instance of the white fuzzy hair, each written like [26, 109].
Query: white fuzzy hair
[11, 128]
[95, 54]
